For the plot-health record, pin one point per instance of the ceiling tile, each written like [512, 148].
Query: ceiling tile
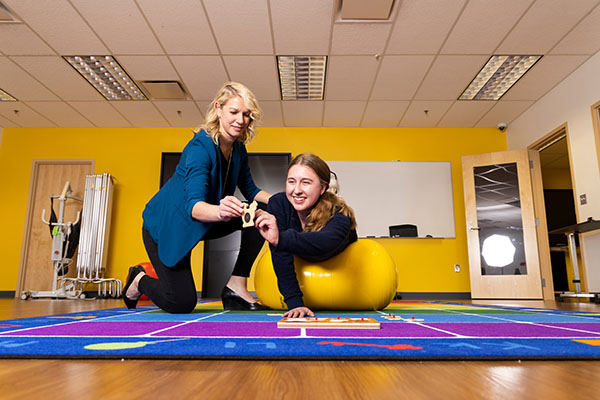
[140, 113]
[302, 27]
[543, 25]
[350, 78]
[400, 76]
[465, 114]
[503, 111]
[202, 75]
[6, 123]
[100, 113]
[68, 33]
[584, 38]
[272, 113]
[241, 26]
[482, 26]
[343, 113]
[57, 75]
[259, 73]
[60, 113]
[180, 113]
[19, 39]
[449, 77]
[148, 68]
[422, 25]
[181, 26]
[20, 84]
[23, 115]
[302, 113]
[359, 38]
[117, 22]
[424, 113]
[543, 76]
[384, 113]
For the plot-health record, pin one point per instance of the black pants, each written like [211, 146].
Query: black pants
[174, 291]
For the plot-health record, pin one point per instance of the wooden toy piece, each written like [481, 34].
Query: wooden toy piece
[248, 214]
[391, 317]
[329, 323]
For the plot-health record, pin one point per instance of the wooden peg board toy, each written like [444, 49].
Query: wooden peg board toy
[329, 323]
[248, 214]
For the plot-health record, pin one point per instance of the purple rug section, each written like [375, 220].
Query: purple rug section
[99, 328]
[519, 330]
[227, 329]
[388, 330]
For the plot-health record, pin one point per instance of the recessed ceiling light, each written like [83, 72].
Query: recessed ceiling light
[497, 76]
[6, 97]
[106, 75]
[302, 77]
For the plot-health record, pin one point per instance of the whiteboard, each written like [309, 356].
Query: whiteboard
[384, 193]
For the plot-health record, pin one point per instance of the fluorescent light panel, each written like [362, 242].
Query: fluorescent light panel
[106, 75]
[6, 97]
[497, 76]
[302, 77]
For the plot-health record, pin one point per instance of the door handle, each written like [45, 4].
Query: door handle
[474, 228]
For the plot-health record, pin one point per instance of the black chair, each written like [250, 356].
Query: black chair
[405, 230]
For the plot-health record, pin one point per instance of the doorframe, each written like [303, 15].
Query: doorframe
[25, 243]
[540, 209]
[595, 108]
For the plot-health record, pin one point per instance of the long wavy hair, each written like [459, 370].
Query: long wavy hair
[229, 90]
[329, 203]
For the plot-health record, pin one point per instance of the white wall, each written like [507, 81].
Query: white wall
[570, 102]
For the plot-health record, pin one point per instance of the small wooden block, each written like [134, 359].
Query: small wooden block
[248, 214]
[329, 323]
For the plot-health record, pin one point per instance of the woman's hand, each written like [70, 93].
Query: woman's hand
[299, 312]
[230, 207]
[267, 226]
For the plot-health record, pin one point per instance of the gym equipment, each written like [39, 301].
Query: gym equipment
[93, 243]
[65, 236]
[362, 277]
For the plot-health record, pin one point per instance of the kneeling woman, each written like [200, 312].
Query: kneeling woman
[308, 221]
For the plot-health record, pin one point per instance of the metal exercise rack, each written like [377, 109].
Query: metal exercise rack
[95, 228]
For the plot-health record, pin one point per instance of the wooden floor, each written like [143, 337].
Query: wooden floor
[157, 379]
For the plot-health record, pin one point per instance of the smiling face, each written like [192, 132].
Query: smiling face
[234, 118]
[303, 189]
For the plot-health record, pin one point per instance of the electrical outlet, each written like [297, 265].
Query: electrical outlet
[456, 267]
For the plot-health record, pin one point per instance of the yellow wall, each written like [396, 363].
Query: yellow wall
[132, 155]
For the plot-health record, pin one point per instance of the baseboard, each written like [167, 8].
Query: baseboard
[5, 294]
[433, 296]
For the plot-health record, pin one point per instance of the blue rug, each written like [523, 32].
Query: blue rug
[408, 331]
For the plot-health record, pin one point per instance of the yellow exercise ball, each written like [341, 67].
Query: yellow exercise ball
[362, 277]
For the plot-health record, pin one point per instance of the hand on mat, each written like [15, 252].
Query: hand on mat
[230, 207]
[267, 226]
[299, 312]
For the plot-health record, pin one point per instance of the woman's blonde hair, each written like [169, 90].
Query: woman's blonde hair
[228, 91]
[329, 203]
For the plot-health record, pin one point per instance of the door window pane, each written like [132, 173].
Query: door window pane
[499, 220]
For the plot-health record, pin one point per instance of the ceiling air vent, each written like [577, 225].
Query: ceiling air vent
[361, 10]
[164, 90]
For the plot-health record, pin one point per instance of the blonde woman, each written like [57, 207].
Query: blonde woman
[309, 221]
[197, 203]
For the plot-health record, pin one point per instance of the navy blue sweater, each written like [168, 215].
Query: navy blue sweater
[335, 236]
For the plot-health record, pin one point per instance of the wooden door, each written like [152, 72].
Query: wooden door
[501, 226]
[48, 177]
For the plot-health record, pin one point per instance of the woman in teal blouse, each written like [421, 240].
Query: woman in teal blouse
[197, 203]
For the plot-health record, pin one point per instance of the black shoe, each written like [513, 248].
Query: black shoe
[233, 301]
[133, 272]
